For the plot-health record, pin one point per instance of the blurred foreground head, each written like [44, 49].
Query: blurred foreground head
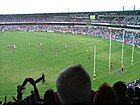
[105, 95]
[73, 85]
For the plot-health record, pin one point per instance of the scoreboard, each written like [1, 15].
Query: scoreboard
[92, 17]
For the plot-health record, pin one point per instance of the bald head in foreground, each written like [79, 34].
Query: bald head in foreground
[74, 86]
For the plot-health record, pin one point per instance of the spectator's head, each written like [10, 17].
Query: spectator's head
[105, 95]
[130, 93]
[137, 92]
[49, 97]
[73, 85]
[120, 88]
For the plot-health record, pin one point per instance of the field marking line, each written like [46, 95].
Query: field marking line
[116, 70]
[96, 70]
[128, 47]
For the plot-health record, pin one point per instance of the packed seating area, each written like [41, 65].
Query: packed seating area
[75, 83]
[122, 17]
[38, 18]
[118, 20]
[135, 83]
[103, 32]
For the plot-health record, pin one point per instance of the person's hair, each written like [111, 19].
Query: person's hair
[130, 93]
[73, 85]
[49, 97]
[137, 92]
[105, 95]
[120, 88]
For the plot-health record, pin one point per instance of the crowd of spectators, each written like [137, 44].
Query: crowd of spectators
[42, 18]
[38, 19]
[135, 83]
[118, 20]
[130, 37]
[73, 87]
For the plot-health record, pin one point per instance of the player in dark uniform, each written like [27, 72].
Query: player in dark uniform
[122, 68]
[42, 50]
[94, 76]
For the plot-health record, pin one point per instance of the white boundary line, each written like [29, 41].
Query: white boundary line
[115, 71]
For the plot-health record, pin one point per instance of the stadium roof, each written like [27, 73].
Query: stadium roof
[94, 12]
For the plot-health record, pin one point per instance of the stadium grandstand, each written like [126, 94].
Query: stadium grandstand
[74, 22]
[110, 25]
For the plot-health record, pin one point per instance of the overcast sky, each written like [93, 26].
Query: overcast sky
[51, 6]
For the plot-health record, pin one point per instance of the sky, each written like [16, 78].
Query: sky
[55, 6]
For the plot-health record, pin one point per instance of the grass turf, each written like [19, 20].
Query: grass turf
[26, 61]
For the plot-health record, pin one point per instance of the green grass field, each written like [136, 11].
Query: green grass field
[26, 61]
